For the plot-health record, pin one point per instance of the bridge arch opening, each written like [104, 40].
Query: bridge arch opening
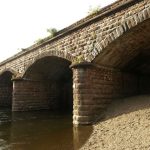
[130, 55]
[48, 85]
[6, 89]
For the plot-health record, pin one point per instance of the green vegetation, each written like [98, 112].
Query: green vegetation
[51, 31]
[93, 10]
[79, 59]
[39, 41]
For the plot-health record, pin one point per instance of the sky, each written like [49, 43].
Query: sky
[24, 21]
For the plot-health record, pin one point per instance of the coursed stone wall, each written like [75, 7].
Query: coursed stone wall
[144, 84]
[37, 95]
[29, 95]
[6, 89]
[94, 87]
[87, 38]
[5, 94]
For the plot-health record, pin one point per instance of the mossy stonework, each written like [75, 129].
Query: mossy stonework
[97, 59]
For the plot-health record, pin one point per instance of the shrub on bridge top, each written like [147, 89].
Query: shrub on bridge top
[93, 10]
[39, 41]
[52, 31]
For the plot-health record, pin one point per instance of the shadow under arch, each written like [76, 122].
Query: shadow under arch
[127, 46]
[12, 71]
[54, 77]
[129, 54]
[39, 129]
[6, 87]
[127, 105]
[53, 53]
[126, 25]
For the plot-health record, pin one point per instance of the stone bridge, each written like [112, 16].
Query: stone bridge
[100, 58]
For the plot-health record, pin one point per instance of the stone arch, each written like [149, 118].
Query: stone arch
[6, 86]
[127, 50]
[126, 25]
[12, 71]
[60, 54]
[47, 82]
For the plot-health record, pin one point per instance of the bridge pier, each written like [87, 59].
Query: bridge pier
[93, 89]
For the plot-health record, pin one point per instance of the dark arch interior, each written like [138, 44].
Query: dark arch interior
[130, 54]
[6, 88]
[56, 76]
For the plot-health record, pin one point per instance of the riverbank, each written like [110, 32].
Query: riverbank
[126, 126]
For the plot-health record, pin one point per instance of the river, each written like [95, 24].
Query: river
[40, 130]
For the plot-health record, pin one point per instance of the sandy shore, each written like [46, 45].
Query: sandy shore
[126, 127]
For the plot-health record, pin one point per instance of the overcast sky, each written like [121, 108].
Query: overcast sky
[24, 21]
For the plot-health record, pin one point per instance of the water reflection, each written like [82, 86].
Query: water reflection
[80, 135]
[40, 130]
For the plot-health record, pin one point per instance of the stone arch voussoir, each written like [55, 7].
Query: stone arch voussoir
[126, 25]
[60, 54]
[14, 73]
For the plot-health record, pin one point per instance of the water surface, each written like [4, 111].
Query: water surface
[40, 130]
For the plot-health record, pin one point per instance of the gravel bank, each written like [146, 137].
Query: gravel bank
[126, 127]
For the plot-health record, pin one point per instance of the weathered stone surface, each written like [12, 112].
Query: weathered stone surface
[94, 87]
[28, 95]
[71, 43]
[114, 41]
[6, 89]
